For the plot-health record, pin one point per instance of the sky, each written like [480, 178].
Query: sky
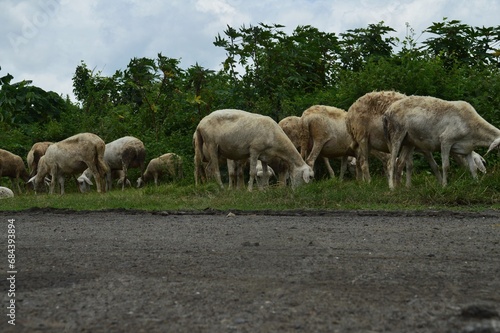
[45, 40]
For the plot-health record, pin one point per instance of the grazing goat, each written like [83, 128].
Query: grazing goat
[72, 156]
[6, 192]
[34, 155]
[201, 174]
[238, 135]
[364, 124]
[263, 177]
[473, 164]
[236, 172]
[293, 129]
[121, 154]
[292, 126]
[169, 163]
[12, 166]
[429, 124]
[324, 128]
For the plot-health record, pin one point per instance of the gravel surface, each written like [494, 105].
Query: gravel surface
[353, 271]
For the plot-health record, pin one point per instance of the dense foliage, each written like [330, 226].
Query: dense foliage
[265, 71]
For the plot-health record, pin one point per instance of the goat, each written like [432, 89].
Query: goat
[36, 152]
[71, 156]
[120, 154]
[429, 124]
[12, 166]
[6, 192]
[292, 126]
[325, 127]
[235, 169]
[364, 124]
[238, 135]
[169, 163]
[263, 177]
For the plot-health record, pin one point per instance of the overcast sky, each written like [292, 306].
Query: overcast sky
[44, 40]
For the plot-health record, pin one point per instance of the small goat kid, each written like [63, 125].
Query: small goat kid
[166, 164]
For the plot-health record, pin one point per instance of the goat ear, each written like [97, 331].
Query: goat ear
[84, 179]
[87, 180]
[306, 175]
[494, 145]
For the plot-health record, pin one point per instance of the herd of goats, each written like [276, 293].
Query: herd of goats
[387, 125]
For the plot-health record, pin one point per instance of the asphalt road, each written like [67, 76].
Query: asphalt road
[119, 271]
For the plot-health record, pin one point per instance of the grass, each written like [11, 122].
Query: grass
[463, 193]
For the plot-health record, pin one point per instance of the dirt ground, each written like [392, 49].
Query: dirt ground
[128, 271]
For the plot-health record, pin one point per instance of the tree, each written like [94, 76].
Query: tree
[276, 66]
[198, 80]
[22, 103]
[363, 44]
[459, 43]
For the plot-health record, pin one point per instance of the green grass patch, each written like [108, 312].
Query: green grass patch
[462, 193]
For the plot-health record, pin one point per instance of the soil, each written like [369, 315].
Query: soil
[299, 271]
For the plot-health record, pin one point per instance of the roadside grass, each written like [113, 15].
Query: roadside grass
[462, 193]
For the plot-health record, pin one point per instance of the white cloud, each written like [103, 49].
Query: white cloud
[218, 14]
[44, 40]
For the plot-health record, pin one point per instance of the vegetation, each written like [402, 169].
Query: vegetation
[462, 193]
[265, 71]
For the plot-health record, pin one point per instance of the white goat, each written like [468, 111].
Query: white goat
[477, 162]
[121, 154]
[263, 177]
[236, 172]
[292, 126]
[238, 135]
[72, 156]
[12, 166]
[6, 192]
[36, 152]
[235, 169]
[324, 128]
[166, 164]
[364, 124]
[429, 124]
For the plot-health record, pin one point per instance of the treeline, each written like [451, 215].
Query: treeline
[265, 71]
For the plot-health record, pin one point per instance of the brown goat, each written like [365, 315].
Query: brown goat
[34, 155]
[364, 124]
[324, 128]
[12, 166]
[72, 156]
